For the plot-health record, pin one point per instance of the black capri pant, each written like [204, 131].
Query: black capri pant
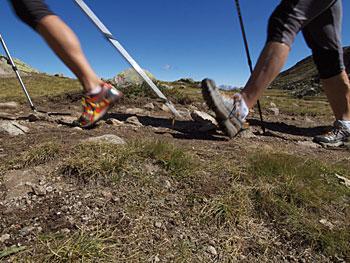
[31, 11]
[320, 21]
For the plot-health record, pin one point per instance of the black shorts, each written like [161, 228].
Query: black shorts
[320, 21]
[31, 11]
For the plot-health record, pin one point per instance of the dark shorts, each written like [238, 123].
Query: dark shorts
[320, 21]
[31, 11]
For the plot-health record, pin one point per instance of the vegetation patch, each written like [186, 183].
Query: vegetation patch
[38, 86]
[40, 154]
[98, 161]
[304, 199]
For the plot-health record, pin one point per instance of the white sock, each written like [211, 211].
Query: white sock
[243, 109]
[346, 124]
[95, 91]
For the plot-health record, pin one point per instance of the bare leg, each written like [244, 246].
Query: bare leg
[270, 63]
[337, 90]
[66, 45]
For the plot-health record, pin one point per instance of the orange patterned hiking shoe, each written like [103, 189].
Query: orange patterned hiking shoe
[231, 112]
[96, 106]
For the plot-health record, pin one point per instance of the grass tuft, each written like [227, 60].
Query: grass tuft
[40, 154]
[298, 194]
[106, 162]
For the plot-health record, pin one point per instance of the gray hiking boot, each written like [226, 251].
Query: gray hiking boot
[230, 111]
[338, 136]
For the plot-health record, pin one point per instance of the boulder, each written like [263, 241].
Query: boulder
[130, 77]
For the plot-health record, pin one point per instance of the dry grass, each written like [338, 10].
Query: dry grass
[175, 211]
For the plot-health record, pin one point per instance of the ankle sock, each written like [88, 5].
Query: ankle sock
[243, 109]
[94, 91]
[346, 124]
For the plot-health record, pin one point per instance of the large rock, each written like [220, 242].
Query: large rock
[6, 67]
[129, 77]
[13, 128]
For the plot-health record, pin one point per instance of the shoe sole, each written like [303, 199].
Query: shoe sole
[213, 99]
[335, 144]
[103, 113]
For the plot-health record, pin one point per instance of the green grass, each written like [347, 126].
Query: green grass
[37, 86]
[40, 154]
[85, 162]
[309, 106]
[297, 193]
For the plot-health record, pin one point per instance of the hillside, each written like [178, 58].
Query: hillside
[6, 67]
[302, 79]
[139, 187]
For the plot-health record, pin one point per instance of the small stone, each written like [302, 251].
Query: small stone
[246, 134]
[149, 106]
[9, 105]
[37, 116]
[114, 122]
[134, 121]
[158, 224]
[39, 190]
[344, 181]
[106, 194]
[167, 184]
[109, 138]
[134, 111]
[203, 117]
[156, 259]
[275, 111]
[212, 250]
[165, 108]
[65, 231]
[4, 238]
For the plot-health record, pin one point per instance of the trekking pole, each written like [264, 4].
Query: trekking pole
[248, 56]
[17, 74]
[125, 54]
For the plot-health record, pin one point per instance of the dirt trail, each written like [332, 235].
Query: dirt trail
[286, 133]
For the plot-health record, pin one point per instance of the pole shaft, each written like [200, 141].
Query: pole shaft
[125, 54]
[17, 73]
[248, 57]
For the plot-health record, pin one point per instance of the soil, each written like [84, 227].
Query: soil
[47, 207]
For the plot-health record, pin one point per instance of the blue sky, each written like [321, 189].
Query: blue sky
[172, 39]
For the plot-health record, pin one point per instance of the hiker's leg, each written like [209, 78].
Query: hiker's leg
[323, 35]
[284, 24]
[270, 63]
[337, 89]
[66, 45]
[60, 38]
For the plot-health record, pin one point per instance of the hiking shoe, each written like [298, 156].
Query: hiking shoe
[336, 137]
[96, 106]
[230, 111]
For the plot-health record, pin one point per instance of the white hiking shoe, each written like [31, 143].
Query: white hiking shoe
[231, 112]
[339, 136]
